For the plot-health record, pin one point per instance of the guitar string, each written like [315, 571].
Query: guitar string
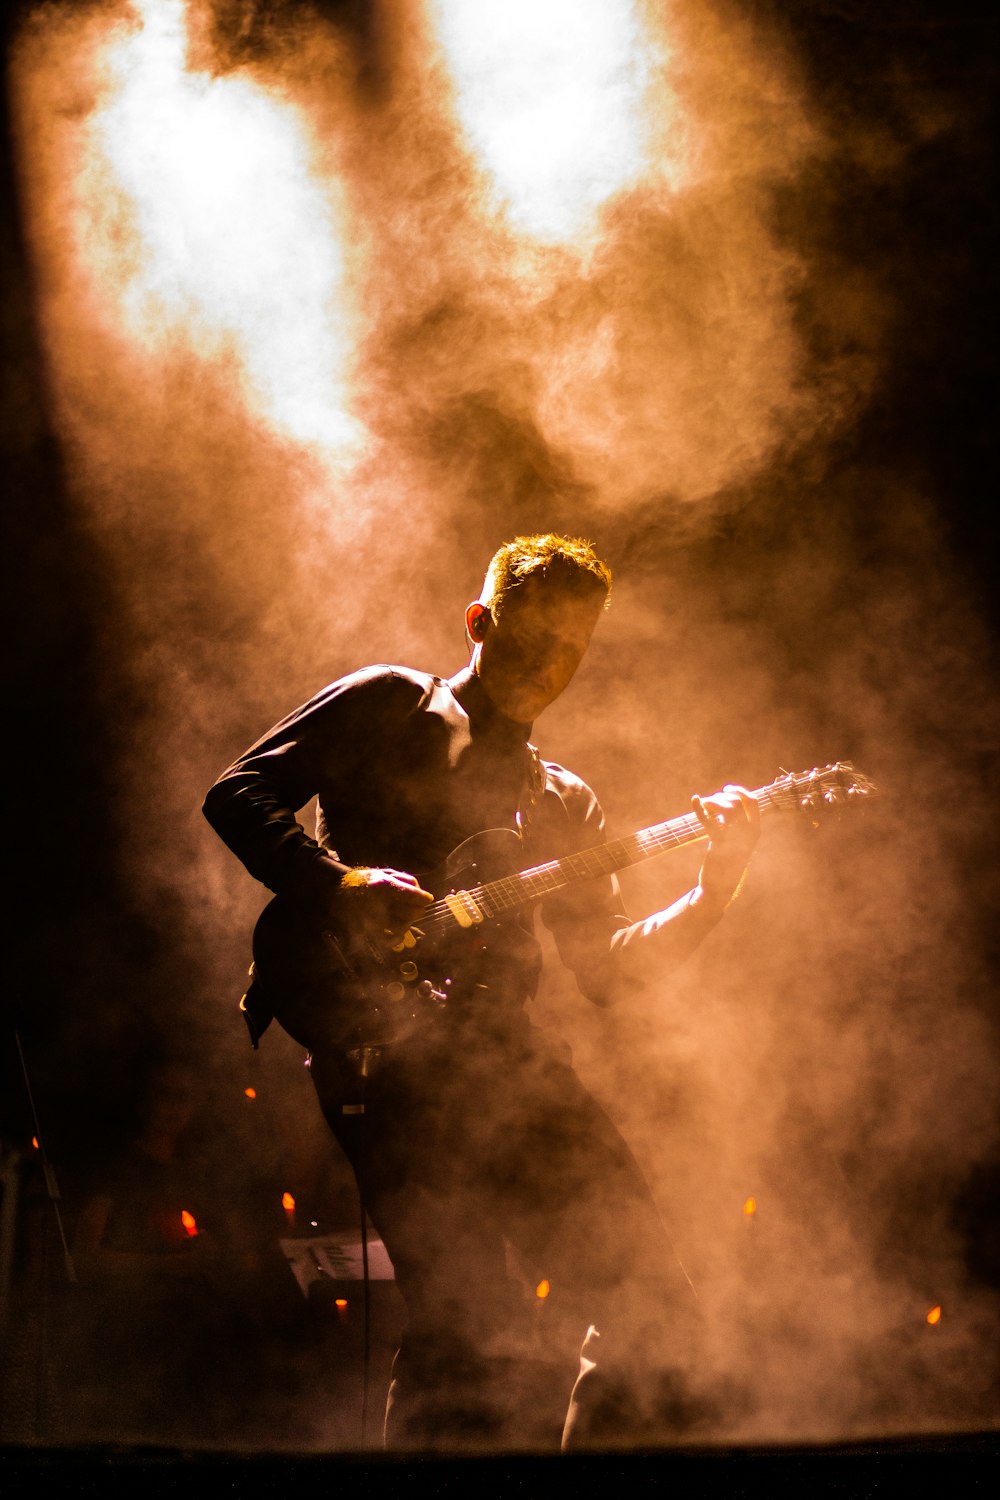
[514, 891]
[510, 892]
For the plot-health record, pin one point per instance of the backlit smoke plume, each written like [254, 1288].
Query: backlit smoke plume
[334, 299]
[555, 105]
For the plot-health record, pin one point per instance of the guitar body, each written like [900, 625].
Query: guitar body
[336, 989]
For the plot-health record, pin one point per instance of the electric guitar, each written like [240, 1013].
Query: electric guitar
[348, 991]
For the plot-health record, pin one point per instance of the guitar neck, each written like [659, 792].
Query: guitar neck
[513, 892]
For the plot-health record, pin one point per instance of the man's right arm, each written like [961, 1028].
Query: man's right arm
[253, 806]
[254, 814]
[250, 817]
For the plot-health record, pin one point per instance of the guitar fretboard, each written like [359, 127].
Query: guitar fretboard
[513, 893]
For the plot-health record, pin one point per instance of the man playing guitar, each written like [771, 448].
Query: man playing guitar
[467, 1130]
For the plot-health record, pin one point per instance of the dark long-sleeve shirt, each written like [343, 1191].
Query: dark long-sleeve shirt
[404, 767]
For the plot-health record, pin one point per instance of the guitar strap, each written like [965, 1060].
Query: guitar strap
[534, 787]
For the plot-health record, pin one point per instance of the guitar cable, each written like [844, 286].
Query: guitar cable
[366, 1347]
[359, 1109]
[48, 1170]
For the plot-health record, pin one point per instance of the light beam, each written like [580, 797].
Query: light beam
[551, 100]
[203, 224]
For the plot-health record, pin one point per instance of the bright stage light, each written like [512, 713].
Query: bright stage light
[205, 226]
[551, 97]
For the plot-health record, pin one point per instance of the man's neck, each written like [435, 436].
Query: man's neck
[470, 690]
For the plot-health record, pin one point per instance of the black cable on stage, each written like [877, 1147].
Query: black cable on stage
[366, 1357]
[51, 1185]
[360, 1109]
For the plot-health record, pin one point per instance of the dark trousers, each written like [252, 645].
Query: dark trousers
[466, 1155]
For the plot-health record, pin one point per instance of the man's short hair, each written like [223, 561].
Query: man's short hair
[569, 562]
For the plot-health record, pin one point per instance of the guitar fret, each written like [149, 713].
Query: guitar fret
[513, 893]
[352, 968]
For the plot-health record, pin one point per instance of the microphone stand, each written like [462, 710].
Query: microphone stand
[48, 1170]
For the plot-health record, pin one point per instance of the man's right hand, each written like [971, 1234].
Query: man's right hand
[381, 902]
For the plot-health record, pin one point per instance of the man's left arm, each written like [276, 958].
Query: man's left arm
[612, 956]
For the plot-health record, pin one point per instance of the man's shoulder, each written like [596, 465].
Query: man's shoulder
[385, 682]
[348, 704]
[571, 789]
[570, 816]
[386, 674]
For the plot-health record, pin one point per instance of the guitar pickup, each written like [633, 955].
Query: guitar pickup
[464, 908]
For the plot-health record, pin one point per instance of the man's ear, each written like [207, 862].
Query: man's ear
[477, 621]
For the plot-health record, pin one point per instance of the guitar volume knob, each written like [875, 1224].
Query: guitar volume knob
[429, 995]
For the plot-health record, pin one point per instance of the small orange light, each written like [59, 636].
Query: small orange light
[189, 1222]
[542, 1289]
[34, 1141]
[250, 1093]
[287, 1202]
[750, 1207]
[934, 1316]
[340, 1302]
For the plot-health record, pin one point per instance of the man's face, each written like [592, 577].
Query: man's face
[531, 653]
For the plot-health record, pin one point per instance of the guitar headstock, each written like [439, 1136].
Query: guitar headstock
[822, 790]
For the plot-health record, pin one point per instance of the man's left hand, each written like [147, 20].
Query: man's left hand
[731, 819]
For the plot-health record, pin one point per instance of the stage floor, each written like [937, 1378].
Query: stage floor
[953, 1465]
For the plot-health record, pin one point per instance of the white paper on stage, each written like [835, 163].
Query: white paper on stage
[325, 1259]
